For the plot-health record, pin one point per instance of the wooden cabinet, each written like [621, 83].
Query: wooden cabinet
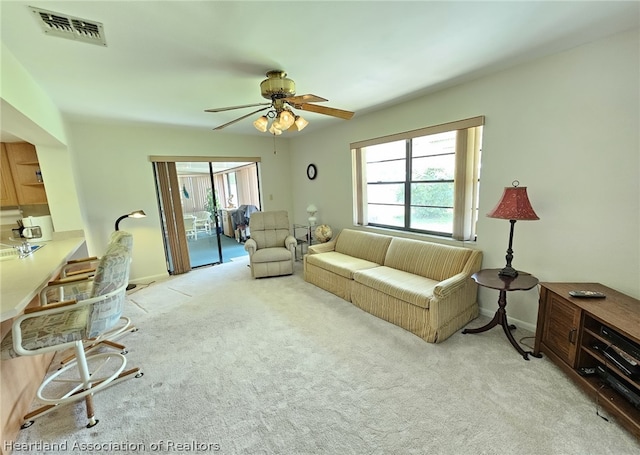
[25, 169]
[227, 223]
[8, 195]
[575, 334]
[560, 334]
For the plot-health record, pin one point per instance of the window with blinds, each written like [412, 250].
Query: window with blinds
[424, 180]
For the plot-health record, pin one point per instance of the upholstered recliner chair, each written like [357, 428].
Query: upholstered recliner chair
[271, 247]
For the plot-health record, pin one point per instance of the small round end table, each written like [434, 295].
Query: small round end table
[489, 278]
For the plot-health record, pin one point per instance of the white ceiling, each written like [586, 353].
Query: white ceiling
[167, 61]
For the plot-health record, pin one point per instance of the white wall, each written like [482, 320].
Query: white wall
[28, 113]
[116, 177]
[565, 126]
[60, 185]
[26, 109]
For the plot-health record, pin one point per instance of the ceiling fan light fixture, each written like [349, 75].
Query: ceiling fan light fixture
[275, 130]
[286, 119]
[276, 124]
[261, 124]
[300, 123]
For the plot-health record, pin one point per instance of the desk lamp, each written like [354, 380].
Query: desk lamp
[136, 214]
[514, 205]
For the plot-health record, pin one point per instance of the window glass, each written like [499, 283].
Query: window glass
[410, 183]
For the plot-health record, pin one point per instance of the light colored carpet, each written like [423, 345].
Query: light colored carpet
[279, 366]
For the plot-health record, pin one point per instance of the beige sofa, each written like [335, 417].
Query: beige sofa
[423, 287]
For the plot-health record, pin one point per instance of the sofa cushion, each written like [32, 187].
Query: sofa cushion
[430, 260]
[404, 286]
[364, 245]
[340, 264]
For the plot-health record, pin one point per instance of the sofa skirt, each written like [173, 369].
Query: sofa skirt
[328, 281]
[410, 317]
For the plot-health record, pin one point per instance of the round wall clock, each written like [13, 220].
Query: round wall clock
[312, 172]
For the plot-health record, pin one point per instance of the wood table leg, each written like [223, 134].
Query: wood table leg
[500, 318]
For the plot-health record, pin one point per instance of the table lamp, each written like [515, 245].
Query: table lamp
[513, 206]
[312, 210]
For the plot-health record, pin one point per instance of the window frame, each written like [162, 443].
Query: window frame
[466, 177]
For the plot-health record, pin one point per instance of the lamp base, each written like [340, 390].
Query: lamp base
[508, 271]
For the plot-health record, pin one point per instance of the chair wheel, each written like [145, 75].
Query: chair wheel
[26, 424]
[139, 375]
[125, 352]
[96, 422]
[135, 329]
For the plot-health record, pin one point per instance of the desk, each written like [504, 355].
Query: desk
[22, 279]
[489, 278]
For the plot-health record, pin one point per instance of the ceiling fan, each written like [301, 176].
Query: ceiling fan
[282, 93]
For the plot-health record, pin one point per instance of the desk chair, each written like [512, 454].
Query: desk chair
[77, 286]
[71, 324]
[85, 267]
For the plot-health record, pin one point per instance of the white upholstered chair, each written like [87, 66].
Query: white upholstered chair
[271, 247]
[190, 226]
[203, 221]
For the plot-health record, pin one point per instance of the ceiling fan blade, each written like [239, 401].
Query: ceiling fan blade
[220, 109]
[308, 98]
[241, 118]
[325, 110]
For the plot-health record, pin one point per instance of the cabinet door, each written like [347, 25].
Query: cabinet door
[23, 160]
[8, 195]
[561, 328]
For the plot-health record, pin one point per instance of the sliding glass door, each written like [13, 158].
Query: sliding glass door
[200, 214]
[195, 199]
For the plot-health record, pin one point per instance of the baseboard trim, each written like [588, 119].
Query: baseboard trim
[145, 281]
[518, 323]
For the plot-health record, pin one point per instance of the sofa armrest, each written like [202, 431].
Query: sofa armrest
[250, 246]
[450, 285]
[322, 247]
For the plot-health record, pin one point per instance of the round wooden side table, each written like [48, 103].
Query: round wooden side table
[489, 278]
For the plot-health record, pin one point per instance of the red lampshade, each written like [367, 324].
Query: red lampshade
[514, 205]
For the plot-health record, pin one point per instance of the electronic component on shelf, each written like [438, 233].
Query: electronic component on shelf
[631, 369]
[629, 347]
[586, 371]
[619, 386]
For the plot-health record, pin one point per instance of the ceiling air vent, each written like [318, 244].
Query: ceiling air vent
[64, 26]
